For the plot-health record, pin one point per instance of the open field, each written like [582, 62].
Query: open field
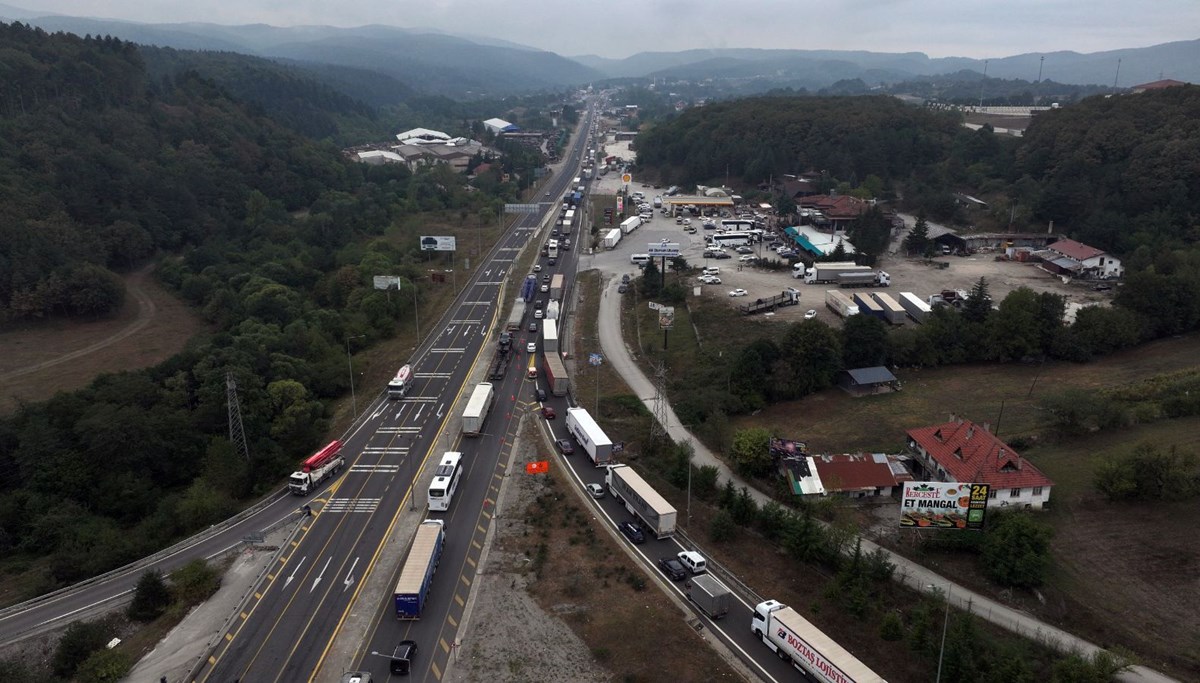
[151, 327]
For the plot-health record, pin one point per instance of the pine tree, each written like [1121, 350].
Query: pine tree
[917, 241]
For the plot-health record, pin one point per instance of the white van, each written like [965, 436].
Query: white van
[694, 561]
[639, 259]
[711, 270]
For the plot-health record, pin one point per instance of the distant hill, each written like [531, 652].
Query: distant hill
[820, 68]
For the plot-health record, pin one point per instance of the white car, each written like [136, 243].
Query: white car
[710, 279]
[737, 292]
[595, 491]
[531, 347]
[537, 267]
[747, 258]
[545, 288]
[810, 314]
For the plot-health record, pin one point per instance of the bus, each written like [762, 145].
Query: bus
[737, 225]
[730, 239]
[445, 481]
[552, 249]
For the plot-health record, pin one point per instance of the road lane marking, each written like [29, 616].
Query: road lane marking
[317, 581]
[293, 574]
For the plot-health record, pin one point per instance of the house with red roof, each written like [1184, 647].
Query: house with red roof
[860, 475]
[841, 210]
[961, 451]
[1076, 259]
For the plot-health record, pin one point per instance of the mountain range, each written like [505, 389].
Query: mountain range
[437, 62]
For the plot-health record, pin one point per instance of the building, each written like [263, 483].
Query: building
[497, 126]
[961, 451]
[422, 136]
[868, 381]
[1068, 257]
[818, 244]
[457, 153]
[861, 475]
[840, 210]
[375, 157]
[1157, 85]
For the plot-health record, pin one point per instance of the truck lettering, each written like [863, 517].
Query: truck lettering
[815, 660]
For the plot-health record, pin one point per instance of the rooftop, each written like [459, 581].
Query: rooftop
[970, 453]
[1076, 250]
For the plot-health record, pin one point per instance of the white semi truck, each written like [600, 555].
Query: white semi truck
[477, 409]
[796, 640]
[589, 435]
[840, 303]
[640, 499]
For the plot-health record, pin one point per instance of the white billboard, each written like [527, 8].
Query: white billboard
[663, 249]
[388, 281]
[431, 243]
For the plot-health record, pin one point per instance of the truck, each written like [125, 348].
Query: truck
[515, 316]
[477, 409]
[552, 310]
[840, 303]
[529, 287]
[630, 224]
[893, 312]
[789, 297]
[800, 270]
[400, 384]
[864, 279]
[658, 201]
[317, 468]
[417, 574]
[550, 336]
[795, 639]
[867, 305]
[629, 489]
[556, 286]
[709, 594]
[556, 375]
[589, 435]
[612, 239]
[587, 174]
[918, 310]
[829, 273]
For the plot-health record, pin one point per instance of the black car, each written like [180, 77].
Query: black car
[402, 658]
[622, 288]
[552, 262]
[564, 446]
[721, 255]
[673, 568]
[632, 531]
[540, 394]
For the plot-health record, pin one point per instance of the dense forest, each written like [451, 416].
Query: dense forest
[274, 238]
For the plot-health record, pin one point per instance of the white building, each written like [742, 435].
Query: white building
[497, 126]
[1086, 261]
[422, 136]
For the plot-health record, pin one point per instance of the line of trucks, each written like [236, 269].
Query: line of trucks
[613, 237]
[878, 304]
[845, 274]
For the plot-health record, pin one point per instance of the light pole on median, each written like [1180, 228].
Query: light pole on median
[350, 365]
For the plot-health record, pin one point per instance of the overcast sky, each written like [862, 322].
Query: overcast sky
[619, 28]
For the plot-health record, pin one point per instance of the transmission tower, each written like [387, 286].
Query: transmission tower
[659, 427]
[237, 435]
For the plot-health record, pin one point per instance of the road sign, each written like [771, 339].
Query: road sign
[595, 359]
[664, 249]
[432, 243]
[522, 208]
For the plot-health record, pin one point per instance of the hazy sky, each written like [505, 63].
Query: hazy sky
[619, 28]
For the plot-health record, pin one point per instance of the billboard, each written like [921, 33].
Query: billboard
[663, 249]
[387, 281]
[666, 317]
[941, 505]
[430, 243]
[786, 448]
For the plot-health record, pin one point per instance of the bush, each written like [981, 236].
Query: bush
[79, 641]
[194, 582]
[150, 598]
[1016, 551]
[891, 628]
[722, 528]
[105, 666]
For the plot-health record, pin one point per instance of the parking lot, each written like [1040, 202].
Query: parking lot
[907, 274]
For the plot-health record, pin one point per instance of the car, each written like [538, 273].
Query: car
[595, 491]
[622, 288]
[539, 313]
[810, 314]
[633, 531]
[687, 221]
[547, 194]
[402, 658]
[693, 560]
[554, 232]
[540, 395]
[678, 220]
[1102, 287]
[737, 292]
[672, 568]
[564, 446]
[710, 279]
[552, 261]
[548, 413]
[747, 258]
[533, 326]
[545, 277]
[691, 230]
[545, 288]
[531, 347]
[744, 250]
[537, 267]
[721, 255]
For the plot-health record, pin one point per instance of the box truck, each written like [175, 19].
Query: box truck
[709, 594]
[635, 494]
[589, 435]
[477, 409]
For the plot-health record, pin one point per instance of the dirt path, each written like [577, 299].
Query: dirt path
[145, 313]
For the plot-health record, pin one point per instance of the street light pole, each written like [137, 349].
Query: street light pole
[350, 365]
[945, 624]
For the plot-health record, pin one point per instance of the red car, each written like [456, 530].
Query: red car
[548, 412]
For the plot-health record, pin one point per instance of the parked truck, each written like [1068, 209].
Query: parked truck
[550, 336]
[831, 273]
[800, 270]
[417, 574]
[893, 312]
[917, 309]
[709, 594]
[477, 409]
[630, 224]
[789, 297]
[840, 303]
[401, 383]
[317, 468]
[556, 286]
[796, 640]
[629, 489]
[612, 239]
[589, 435]
[864, 279]
[556, 375]
[867, 305]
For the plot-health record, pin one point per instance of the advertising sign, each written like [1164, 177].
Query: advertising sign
[663, 249]
[626, 178]
[430, 243]
[941, 505]
[666, 317]
[387, 281]
[786, 448]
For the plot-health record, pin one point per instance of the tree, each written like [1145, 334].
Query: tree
[810, 356]
[105, 666]
[651, 279]
[81, 639]
[979, 303]
[722, 528]
[1016, 550]
[864, 342]
[150, 597]
[750, 451]
[917, 241]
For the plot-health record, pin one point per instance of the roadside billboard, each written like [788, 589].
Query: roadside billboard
[434, 243]
[941, 505]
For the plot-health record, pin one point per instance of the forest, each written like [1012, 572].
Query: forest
[273, 238]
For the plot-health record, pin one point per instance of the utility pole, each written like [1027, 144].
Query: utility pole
[1118, 74]
[237, 433]
[350, 364]
[1041, 62]
[985, 66]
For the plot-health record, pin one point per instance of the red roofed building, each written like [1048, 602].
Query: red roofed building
[841, 210]
[963, 452]
[1077, 258]
[864, 475]
[1157, 85]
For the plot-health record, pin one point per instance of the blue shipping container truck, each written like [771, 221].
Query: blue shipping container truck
[417, 574]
